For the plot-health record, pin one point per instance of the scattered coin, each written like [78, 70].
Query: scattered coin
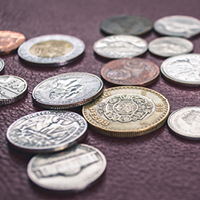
[129, 71]
[1, 66]
[67, 90]
[127, 111]
[71, 170]
[51, 50]
[47, 131]
[120, 46]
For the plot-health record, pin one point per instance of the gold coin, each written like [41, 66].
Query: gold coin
[127, 111]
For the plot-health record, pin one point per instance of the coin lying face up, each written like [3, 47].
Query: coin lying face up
[1, 66]
[51, 50]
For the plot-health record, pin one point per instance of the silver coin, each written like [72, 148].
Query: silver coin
[12, 88]
[178, 25]
[71, 170]
[67, 90]
[1, 65]
[170, 46]
[51, 50]
[120, 46]
[47, 131]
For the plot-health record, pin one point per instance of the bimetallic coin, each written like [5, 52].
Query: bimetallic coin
[170, 46]
[127, 111]
[67, 90]
[178, 25]
[120, 46]
[47, 131]
[1, 66]
[71, 170]
[51, 50]
[126, 25]
[129, 71]
[12, 88]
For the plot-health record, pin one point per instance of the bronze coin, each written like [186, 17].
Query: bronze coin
[10, 41]
[130, 71]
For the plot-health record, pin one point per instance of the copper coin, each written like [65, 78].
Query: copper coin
[133, 71]
[10, 41]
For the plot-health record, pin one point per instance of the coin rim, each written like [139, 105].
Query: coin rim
[2, 66]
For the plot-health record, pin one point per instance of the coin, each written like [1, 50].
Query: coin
[71, 170]
[67, 90]
[120, 46]
[51, 50]
[1, 66]
[47, 131]
[127, 111]
[170, 46]
[178, 25]
[126, 25]
[10, 41]
[12, 88]
[129, 71]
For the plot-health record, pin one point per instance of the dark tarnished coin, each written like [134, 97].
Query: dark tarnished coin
[1, 66]
[74, 169]
[67, 90]
[126, 25]
[47, 131]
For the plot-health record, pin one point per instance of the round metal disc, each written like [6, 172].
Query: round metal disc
[1, 66]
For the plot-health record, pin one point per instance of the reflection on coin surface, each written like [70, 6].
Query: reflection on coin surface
[126, 25]
[120, 46]
[47, 131]
[9, 41]
[170, 46]
[1, 66]
[51, 50]
[12, 88]
[67, 90]
[127, 111]
[71, 170]
[183, 69]
[178, 25]
[129, 71]
[186, 122]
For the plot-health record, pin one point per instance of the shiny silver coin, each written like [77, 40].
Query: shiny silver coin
[120, 46]
[1, 65]
[71, 170]
[67, 90]
[47, 131]
[12, 88]
[170, 46]
[51, 50]
[178, 25]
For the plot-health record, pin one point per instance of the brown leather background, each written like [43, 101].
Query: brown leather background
[158, 166]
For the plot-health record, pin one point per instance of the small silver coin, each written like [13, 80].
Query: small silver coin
[12, 88]
[186, 122]
[51, 50]
[67, 90]
[170, 46]
[71, 170]
[120, 46]
[178, 25]
[1, 65]
[47, 131]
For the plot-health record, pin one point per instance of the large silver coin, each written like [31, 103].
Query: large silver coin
[178, 25]
[186, 122]
[51, 50]
[67, 90]
[170, 46]
[1, 65]
[120, 46]
[71, 170]
[12, 88]
[47, 131]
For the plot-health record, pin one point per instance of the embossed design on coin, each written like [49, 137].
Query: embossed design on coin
[1, 66]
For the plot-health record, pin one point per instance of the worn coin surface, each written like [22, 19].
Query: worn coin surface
[120, 46]
[74, 169]
[130, 71]
[170, 46]
[1, 66]
[127, 111]
[12, 88]
[126, 25]
[47, 131]
[51, 50]
[178, 25]
[67, 90]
